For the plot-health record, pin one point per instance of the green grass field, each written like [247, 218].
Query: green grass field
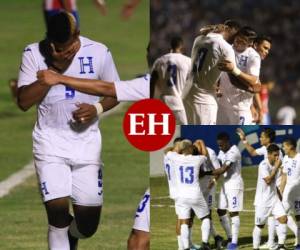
[163, 217]
[22, 216]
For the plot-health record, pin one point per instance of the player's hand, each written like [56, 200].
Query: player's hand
[66, 54]
[211, 183]
[277, 163]
[241, 134]
[48, 77]
[85, 113]
[225, 65]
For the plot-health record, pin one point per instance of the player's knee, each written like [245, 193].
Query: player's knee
[221, 212]
[260, 226]
[138, 240]
[58, 213]
[206, 217]
[87, 230]
[282, 219]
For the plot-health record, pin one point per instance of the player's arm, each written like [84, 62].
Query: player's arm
[258, 106]
[268, 179]
[101, 6]
[251, 150]
[129, 7]
[88, 86]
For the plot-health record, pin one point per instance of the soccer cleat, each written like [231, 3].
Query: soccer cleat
[195, 247]
[232, 246]
[226, 242]
[205, 246]
[269, 246]
[297, 247]
[218, 242]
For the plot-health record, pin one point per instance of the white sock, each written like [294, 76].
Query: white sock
[205, 230]
[58, 238]
[271, 230]
[298, 231]
[281, 230]
[184, 234]
[213, 231]
[226, 225]
[180, 245]
[292, 225]
[256, 237]
[235, 224]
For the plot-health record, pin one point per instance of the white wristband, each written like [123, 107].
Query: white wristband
[99, 108]
[244, 141]
[236, 71]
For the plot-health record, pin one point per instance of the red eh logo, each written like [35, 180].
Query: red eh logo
[149, 124]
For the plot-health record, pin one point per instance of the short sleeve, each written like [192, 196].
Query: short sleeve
[109, 71]
[263, 170]
[214, 160]
[228, 53]
[133, 90]
[28, 68]
[254, 66]
[260, 151]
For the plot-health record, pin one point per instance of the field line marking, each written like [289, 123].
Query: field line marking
[16, 179]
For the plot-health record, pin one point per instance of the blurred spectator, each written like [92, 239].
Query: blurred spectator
[266, 87]
[286, 115]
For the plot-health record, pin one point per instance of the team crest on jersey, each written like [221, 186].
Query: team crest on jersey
[243, 60]
[86, 65]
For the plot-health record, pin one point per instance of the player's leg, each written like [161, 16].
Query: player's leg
[281, 229]
[184, 214]
[87, 198]
[222, 212]
[138, 240]
[208, 114]
[55, 185]
[235, 205]
[261, 216]
[293, 227]
[297, 217]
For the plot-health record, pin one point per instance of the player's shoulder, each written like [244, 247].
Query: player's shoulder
[253, 53]
[234, 149]
[33, 47]
[263, 163]
[88, 43]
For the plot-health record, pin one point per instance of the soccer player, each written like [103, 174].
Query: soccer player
[267, 201]
[208, 50]
[290, 186]
[267, 137]
[189, 197]
[231, 194]
[139, 238]
[169, 75]
[66, 152]
[235, 101]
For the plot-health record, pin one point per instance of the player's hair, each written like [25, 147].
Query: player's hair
[184, 144]
[223, 136]
[188, 150]
[233, 24]
[270, 133]
[291, 141]
[195, 150]
[247, 32]
[176, 42]
[178, 139]
[217, 28]
[260, 38]
[272, 148]
[61, 27]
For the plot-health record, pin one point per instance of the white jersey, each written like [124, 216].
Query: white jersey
[169, 159]
[265, 194]
[248, 62]
[213, 162]
[286, 115]
[55, 133]
[142, 216]
[133, 90]
[264, 152]
[232, 177]
[291, 167]
[173, 70]
[187, 169]
[206, 53]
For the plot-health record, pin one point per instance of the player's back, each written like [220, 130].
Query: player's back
[170, 172]
[206, 53]
[232, 177]
[265, 194]
[291, 166]
[187, 169]
[173, 70]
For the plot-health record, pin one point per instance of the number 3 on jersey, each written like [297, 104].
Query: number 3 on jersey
[69, 93]
[172, 72]
[186, 174]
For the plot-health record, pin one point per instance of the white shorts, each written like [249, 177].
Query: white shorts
[59, 177]
[229, 116]
[291, 198]
[262, 213]
[183, 208]
[231, 200]
[245, 117]
[142, 216]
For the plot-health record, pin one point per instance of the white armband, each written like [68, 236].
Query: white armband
[236, 71]
[99, 108]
